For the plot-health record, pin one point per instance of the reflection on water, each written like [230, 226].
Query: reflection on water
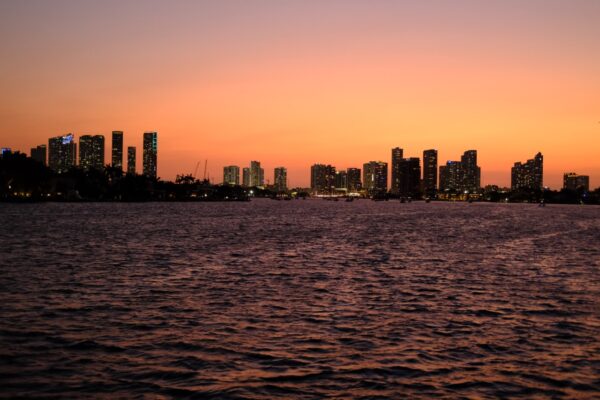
[301, 299]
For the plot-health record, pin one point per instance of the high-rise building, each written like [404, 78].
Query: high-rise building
[528, 175]
[231, 175]
[117, 149]
[150, 154]
[451, 177]
[246, 177]
[322, 178]
[397, 157]
[409, 177]
[354, 183]
[39, 153]
[257, 174]
[375, 176]
[91, 152]
[572, 181]
[5, 151]
[341, 180]
[471, 179]
[62, 153]
[131, 160]
[280, 178]
[430, 172]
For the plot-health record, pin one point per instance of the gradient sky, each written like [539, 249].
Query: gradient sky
[294, 83]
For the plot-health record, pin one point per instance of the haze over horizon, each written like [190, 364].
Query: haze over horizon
[296, 83]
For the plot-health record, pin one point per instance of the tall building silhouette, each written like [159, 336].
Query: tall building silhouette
[257, 174]
[231, 175]
[375, 175]
[117, 149]
[354, 183]
[62, 153]
[572, 181]
[451, 177]
[280, 178]
[150, 156]
[91, 152]
[471, 179]
[246, 177]
[131, 160]
[341, 181]
[430, 172]
[397, 157]
[322, 179]
[409, 177]
[528, 175]
[38, 153]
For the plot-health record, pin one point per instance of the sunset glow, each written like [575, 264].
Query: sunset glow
[294, 83]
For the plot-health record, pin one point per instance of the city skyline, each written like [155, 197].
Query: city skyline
[296, 84]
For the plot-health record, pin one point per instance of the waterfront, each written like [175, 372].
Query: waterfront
[299, 299]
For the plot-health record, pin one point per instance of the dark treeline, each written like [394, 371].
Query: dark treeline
[24, 179]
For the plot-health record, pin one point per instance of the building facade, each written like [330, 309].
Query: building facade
[471, 172]
[397, 157]
[39, 153]
[231, 175]
[354, 183]
[150, 156]
[117, 149]
[91, 152]
[131, 159]
[528, 175]
[573, 181]
[322, 179]
[246, 177]
[430, 172]
[375, 176]
[409, 177]
[257, 174]
[280, 179]
[62, 153]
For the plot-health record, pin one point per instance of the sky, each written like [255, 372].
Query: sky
[293, 83]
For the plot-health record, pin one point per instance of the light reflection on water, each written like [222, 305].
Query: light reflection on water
[301, 299]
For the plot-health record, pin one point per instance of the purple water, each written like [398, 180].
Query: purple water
[299, 299]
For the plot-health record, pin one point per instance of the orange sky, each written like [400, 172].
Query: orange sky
[293, 83]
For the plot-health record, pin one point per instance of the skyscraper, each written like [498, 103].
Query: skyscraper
[528, 175]
[131, 160]
[39, 153]
[62, 153]
[322, 178]
[409, 177]
[150, 154]
[91, 152]
[341, 181]
[572, 181]
[430, 172]
[451, 177]
[354, 184]
[280, 177]
[375, 175]
[397, 156]
[257, 174]
[117, 149]
[246, 177]
[471, 172]
[231, 175]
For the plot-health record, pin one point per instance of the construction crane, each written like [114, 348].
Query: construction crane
[205, 164]
[196, 170]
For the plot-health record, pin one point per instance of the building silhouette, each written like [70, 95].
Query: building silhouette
[257, 174]
[62, 153]
[375, 176]
[280, 178]
[38, 153]
[231, 175]
[397, 157]
[528, 175]
[131, 159]
[471, 172]
[451, 177]
[354, 183]
[430, 172]
[322, 179]
[246, 177]
[572, 181]
[117, 149]
[341, 181]
[409, 177]
[91, 152]
[150, 155]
